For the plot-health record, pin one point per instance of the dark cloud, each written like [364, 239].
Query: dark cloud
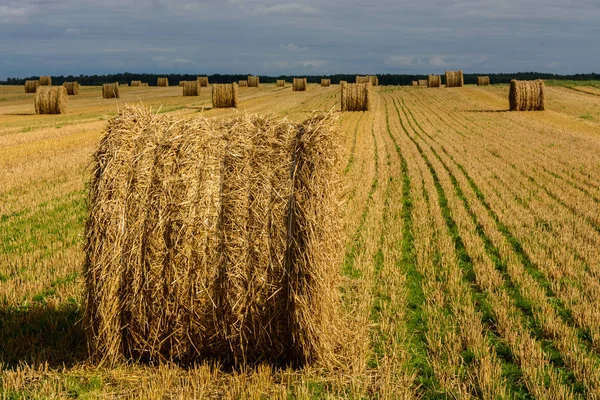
[303, 36]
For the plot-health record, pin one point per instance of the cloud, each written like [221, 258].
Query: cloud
[75, 31]
[293, 47]
[286, 9]
[15, 14]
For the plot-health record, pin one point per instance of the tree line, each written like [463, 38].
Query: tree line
[384, 79]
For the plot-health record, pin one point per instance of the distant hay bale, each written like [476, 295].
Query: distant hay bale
[243, 83]
[181, 83]
[372, 79]
[124, 84]
[415, 83]
[280, 83]
[72, 88]
[342, 82]
[203, 81]
[45, 81]
[136, 83]
[434, 81]
[191, 88]
[110, 91]
[225, 95]
[454, 79]
[422, 82]
[51, 100]
[212, 238]
[355, 96]
[31, 86]
[162, 82]
[325, 82]
[299, 85]
[253, 81]
[144, 84]
[526, 95]
[483, 80]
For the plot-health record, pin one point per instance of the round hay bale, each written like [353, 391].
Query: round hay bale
[31, 86]
[454, 79]
[342, 82]
[51, 100]
[191, 88]
[526, 95]
[372, 79]
[422, 82]
[355, 96]
[72, 88]
[434, 81]
[253, 81]
[325, 82]
[136, 83]
[111, 91]
[162, 82]
[243, 83]
[181, 83]
[214, 238]
[415, 83]
[225, 95]
[299, 85]
[483, 80]
[203, 80]
[145, 84]
[45, 81]
[280, 83]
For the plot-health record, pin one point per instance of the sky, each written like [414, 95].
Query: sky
[272, 37]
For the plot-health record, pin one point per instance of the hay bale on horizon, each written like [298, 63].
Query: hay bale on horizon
[111, 91]
[225, 95]
[51, 100]
[203, 81]
[355, 96]
[526, 95]
[415, 83]
[434, 81]
[243, 83]
[162, 82]
[483, 81]
[191, 88]
[299, 85]
[372, 79]
[422, 82]
[181, 83]
[145, 84]
[136, 83]
[253, 81]
[280, 83]
[454, 79]
[31, 86]
[72, 88]
[124, 84]
[45, 81]
[325, 82]
[212, 238]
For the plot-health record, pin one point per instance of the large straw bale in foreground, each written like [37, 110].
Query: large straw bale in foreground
[203, 81]
[72, 88]
[483, 80]
[434, 81]
[191, 88]
[526, 95]
[299, 85]
[355, 96]
[212, 238]
[454, 79]
[45, 81]
[51, 100]
[253, 81]
[31, 86]
[225, 95]
[110, 91]
[162, 82]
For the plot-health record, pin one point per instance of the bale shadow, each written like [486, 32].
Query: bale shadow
[20, 114]
[40, 333]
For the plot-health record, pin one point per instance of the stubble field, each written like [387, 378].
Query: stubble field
[472, 248]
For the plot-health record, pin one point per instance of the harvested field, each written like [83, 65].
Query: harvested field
[470, 237]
